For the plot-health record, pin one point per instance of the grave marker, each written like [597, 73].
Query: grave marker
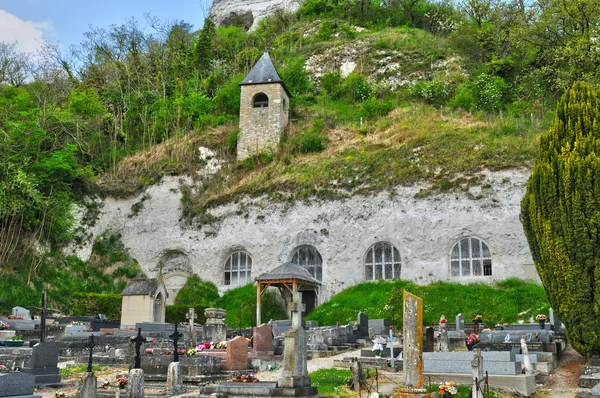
[44, 363]
[192, 316]
[91, 346]
[526, 361]
[17, 384]
[135, 383]
[460, 323]
[391, 339]
[263, 338]
[21, 312]
[175, 336]
[88, 386]
[413, 342]
[295, 372]
[139, 340]
[237, 354]
[477, 374]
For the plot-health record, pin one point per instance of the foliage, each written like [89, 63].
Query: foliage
[331, 381]
[240, 304]
[79, 370]
[88, 304]
[177, 313]
[560, 215]
[196, 291]
[506, 301]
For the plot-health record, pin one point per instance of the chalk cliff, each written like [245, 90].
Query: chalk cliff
[247, 13]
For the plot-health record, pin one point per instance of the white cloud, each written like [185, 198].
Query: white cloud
[27, 34]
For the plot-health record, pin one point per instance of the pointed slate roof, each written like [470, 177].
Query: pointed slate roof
[264, 72]
[289, 271]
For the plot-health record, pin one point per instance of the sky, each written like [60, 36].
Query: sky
[30, 22]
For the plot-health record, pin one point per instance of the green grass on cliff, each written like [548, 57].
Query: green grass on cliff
[507, 301]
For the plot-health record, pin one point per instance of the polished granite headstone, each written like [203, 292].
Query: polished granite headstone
[43, 364]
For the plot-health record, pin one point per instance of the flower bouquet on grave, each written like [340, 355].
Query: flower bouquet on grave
[148, 351]
[17, 317]
[3, 325]
[221, 345]
[181, 351]
[245, 378]
[105, 384]
[3, 369]
[447, 389]
[377, 349]
[472, 340]
[168, 352]
[191, 352]
[541, 318]
[59, 394]
[122, 382]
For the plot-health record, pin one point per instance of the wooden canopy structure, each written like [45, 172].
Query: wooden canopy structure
[292, 277]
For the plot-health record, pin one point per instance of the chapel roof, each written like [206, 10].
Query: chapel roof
[263, 72]
[288, 271]
[142, 287]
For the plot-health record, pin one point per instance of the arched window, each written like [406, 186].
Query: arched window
[470, 257]
[238, 268]
[382, 262]
[260, 100]
[309, 258]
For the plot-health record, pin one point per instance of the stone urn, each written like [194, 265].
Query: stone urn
[215, 316]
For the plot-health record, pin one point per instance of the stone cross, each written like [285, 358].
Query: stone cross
[412, 332]
[175, 336]
[139, 340]
[192, 316]
[443, 335]
[90, 344]
[391, 340]
[526, 362]
[43, 322]
[297, 311]
[477, 374]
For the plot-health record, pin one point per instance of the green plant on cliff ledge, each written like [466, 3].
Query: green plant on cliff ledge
[561, 215]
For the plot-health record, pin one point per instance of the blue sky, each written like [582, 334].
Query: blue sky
[29, 22]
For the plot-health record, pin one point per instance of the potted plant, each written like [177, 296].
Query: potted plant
[472, 340]
[14, 341]
[377, 349]
[541, 318]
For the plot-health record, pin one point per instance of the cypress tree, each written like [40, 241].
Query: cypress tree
[561, 215]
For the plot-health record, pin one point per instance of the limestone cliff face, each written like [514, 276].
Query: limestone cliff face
[247, 13]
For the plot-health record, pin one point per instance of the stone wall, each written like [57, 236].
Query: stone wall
[261, 128]
[423, 229]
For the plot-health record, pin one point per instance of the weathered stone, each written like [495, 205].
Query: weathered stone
[263, 338]
[295, 371]
[88, 386]
[525, 355]
[16, 384]
[175, 379]
[596, 389]
[44, 363]
[413, 341]
[135, 384]
[477, 375]
[237, 354]
[221, 11]
[460, 323]
[22, 312]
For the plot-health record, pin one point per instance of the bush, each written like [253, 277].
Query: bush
[434, 92]
[489, 92]
[177, 313]
[240, 304]
[196, 291]
[88, 304]
[373, 108]
[232, 141]
[357, 88]
[331, 83]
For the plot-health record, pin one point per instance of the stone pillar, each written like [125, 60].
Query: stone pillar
[477, 374]
[295, 372]
[443, 338]
[135, 384]
[175, 379]
[429, 339]
[413, 342]
[526, 362]
[215, 329]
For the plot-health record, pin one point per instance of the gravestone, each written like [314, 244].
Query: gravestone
[429, 339]
[295, 372]
[135, 384]
[526, 362]
[17, 384]
[263, 338]
[443, 335]
[214, 328]
[72, 330]
[380, 326]
[412, 332]
[43, 364]
[88, 386]
[477, 374]
[237, 354]
[175, 337]
[20, 311]
[175, 379]
[363, 325]
[139, 340]
[191, 316]
[460, 323]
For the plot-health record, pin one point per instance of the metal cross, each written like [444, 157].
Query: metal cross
[175, 336]
[139, 340]
[90, 344]
[391, 339]
[43, 322]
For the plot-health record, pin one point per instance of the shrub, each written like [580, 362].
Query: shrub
[88, 304]
[374, 107]
[196, 291]
[232, 141]
[489, 92]
[434, 92]
[357, 88]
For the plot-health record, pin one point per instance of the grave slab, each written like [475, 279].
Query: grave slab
[15, 384]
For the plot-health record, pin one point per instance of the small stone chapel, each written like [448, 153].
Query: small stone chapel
[264, 109]
[144, 300]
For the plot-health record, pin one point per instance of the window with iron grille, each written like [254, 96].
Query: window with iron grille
[310, 258]
[382, 262]
[238, 268]
[470, 257]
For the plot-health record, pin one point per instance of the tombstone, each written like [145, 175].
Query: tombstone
[237, 354]
[295, 372]
[460, 323]
[358, 376]
[90, 345]
[263, 338]
[191, 316]
[429, 339]
[175, 379]
[363, 325]
[526, 361]
[73, 330]
[43, 364]
[88, 386]
[175, 337]
[477, 374]
[443, 342]
[135, 384]
[23, 312]
[139, 340]
[214, 328]
[412, 332]
[16, 384]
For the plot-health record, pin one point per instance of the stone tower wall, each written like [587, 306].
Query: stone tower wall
[261, 128]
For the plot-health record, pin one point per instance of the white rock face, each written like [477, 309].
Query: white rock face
[424, 231]
[222, 9]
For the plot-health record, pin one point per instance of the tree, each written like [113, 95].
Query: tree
[561, 215]
[13, 64]
[203, 50]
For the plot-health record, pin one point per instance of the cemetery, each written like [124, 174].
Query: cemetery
[157, 359]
